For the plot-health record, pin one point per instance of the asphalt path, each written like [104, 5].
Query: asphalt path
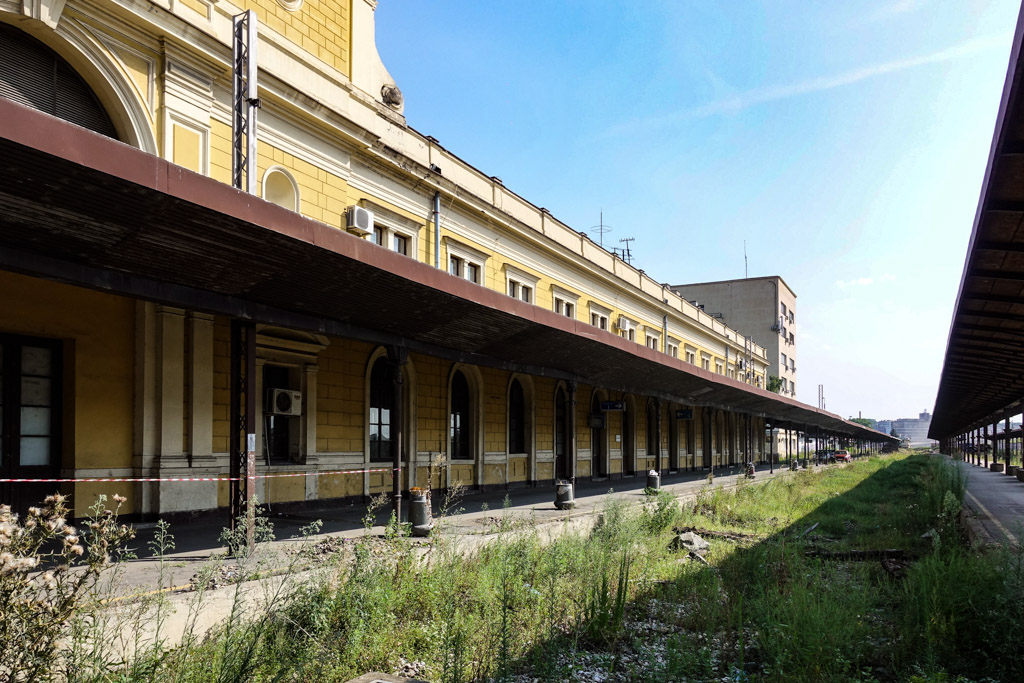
[998, 500]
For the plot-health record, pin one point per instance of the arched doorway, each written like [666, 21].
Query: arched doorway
[598, 451]
[32, 74]
[561, 434]
[460, 419]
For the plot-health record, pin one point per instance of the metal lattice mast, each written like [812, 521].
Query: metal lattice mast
[245, 101]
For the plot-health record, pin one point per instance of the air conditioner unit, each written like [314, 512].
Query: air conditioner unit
[624, 323]
[359, 220]
[284, 402]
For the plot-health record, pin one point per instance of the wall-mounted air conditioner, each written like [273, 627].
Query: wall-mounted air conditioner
[359, 220]
[283, 402]
[624, 323]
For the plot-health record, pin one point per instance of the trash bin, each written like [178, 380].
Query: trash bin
[420, 515]
[563, 495]
[653, 480]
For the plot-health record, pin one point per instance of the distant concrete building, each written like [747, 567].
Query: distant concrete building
[764, 309]
[884, 426]
[914, 430]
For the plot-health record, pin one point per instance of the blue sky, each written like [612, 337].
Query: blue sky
[844, 141]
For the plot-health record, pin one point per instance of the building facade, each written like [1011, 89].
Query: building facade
[420, 313]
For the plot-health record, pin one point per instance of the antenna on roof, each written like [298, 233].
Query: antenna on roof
[601, 229]
[623, 252]
[745, 259]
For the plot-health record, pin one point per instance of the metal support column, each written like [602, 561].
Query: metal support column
[242, 490]
[657, 436]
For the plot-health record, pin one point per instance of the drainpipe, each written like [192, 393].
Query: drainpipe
[437, 229]
[664, 333]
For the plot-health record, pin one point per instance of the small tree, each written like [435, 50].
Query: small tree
[775, 383]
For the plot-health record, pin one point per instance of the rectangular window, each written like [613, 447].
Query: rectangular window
[526, 293]
[652, 342]
[706, 363]
[785, 361]
[598, 320]
[473, 272]
[566, 308]
[783, 306]
[792, 387]
[400, 243]
[673, 350]
[378, 235]
[691, 358]
[513, 289]
[718, 368]
[455, 266]
[792, 338]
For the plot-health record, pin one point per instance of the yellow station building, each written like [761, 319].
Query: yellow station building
[526, 351]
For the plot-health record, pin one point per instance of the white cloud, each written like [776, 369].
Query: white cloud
[856, 282]
[894, 9]
[888, 277]
[774, 93]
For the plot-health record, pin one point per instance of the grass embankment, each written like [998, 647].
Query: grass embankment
[619, 604]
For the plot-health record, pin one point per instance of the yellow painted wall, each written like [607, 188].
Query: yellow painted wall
[221, 384]
[545, 471]
[544, 413]
[186, 147]
[495, 403]
[431, 402]
[98, 330]
[340, 395]
[518, 469]
[339, 485]
[321, 27]
[284, 489]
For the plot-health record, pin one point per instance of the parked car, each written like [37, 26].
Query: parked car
[843, 455]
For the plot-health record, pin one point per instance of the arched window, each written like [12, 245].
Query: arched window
[34, 75]
[460, 427]
[516, 418]
[279, 188]
[381, 404]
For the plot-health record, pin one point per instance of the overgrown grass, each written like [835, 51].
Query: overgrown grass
[616, 603]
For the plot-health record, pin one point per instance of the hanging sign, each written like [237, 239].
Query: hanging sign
[684, 414]
[607, 406]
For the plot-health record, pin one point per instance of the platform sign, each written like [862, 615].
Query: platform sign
[608, 406]
[684, 414]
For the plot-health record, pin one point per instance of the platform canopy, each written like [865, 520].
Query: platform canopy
[81, 208]
[983, 373]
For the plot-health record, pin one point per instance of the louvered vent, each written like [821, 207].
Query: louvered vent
[34, 75]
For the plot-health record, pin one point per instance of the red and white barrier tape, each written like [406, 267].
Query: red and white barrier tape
[90, 480]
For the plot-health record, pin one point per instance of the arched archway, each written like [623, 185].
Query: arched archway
[464, 433]
[521, 428]
[378, 394]
[69, 73]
